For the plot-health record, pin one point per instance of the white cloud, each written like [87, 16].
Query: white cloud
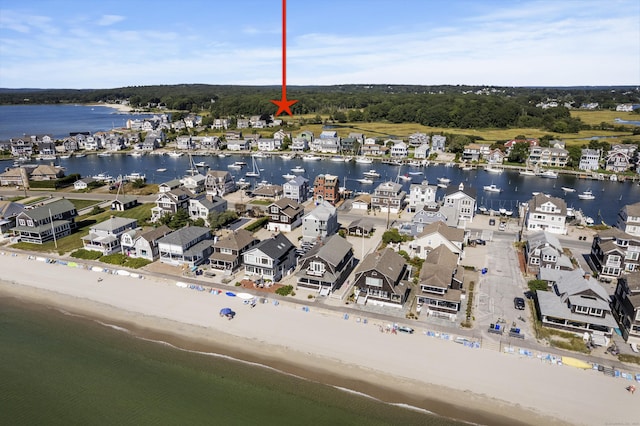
[106, 20]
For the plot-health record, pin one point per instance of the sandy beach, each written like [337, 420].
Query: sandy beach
[119, 107]
[476, 385]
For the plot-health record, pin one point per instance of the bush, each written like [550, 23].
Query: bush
[285, 291]
[258, 224]
[86, 254]
[136, 262]
[114, 259]
[537, 285]
[96, 210]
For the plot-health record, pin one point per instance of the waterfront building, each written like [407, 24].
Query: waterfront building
[614, 252]
[421, 195]
[229, 249]
[271, 259]
[547, 213]
[540, 156]
[320, 223]
[626, 307]
[51, 221]
[326, 266]
[284, 215]
[629, 219]
[143, 243]
[441, 284]
[399, 149]
[326, 187]
[380, 279]
[188, 246]
[589, 159]
[421, 152]
[620, 157]
[105, 236]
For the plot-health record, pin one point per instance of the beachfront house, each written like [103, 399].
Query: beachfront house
[626, 307]
[399, 150]
[380, 279]
[326, 266]
[8, 213]
[143, 243]
[543, 250]
[459, 205]
[204, 205]
[124, 202]
[575, 302]
[614, 252]
[326, 187]
[105, 236]
[629, 219]
[433, 236]
[219, 182]
[188, 246]
[171, 202]
[229, 249]
[47, 222]
[420, 195]
[546, 213]
[284, 215]
[296, 189]
[271, 259]
[320, 223]
[441, 284]
[388, 196]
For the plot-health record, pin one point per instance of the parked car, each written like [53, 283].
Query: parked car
[492, 222]
[518, 303]
[405, 329]
[502, 226]
[480, 241]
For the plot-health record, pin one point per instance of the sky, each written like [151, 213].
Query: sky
[116, 43]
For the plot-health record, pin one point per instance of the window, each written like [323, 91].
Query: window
[582, 309]
[274, 209]
[21, 222]
[373, 282]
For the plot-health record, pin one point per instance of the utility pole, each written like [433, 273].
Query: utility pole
[388, 212]
[53, 230]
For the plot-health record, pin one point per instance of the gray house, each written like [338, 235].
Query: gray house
[143, 243]
[380, 279]
[326, 266]
[296, 189]
[271, 259]
[320, 223]
[189, 246]
[105, 236]
[44, 223]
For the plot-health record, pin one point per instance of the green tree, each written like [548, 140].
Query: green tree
[392, 236]
[519, 152]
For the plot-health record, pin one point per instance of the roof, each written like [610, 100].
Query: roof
[236, 240]
[323, 211]
[184, 236]
[362, 223]
[51, 209]
[633, 209]
[297, 181]
[288, 206]
[538, 200]
[10, 209]
[450, 233]
[275, 247]
[540, 238]
[156, 233]
[439, 267]
[387, 262]
[332, 250]
[363, 198]
[553, 306]
[125, 199]
[268, 190]
[113, 223]
[452, 189]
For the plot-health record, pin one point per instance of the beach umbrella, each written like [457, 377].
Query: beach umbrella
[226, 311]
[230, 293]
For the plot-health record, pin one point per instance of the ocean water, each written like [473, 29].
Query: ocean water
[61, 369]
[59, 120]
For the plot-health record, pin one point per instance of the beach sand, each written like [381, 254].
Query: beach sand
[477, 385]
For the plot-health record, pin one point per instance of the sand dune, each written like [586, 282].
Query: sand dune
[479, 385]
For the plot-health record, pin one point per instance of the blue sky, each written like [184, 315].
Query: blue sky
[115, 43]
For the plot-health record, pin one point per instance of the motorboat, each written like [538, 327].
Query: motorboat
[259, 154]
[567, 189]
[222, 155]
[444, 180]
[588, 220]
[363, 160]
[442, 185]
[288, 176]
[338, 159]
[483, 210]
[237, 165]
[201, 164]
[176, 154]
[103, 177]
[405, 177]
[104, 154]
[494, 170]
[135, 176]
[586, 195]
[286, 156]
[136, 154]
[365, 181]
[311, 157]
[371, 173]
[505, 212]
[491, 188]
[160, 170]
[527, 173]
[415, 173]
[549, 174]
[414, 163]
[80, 155]
[297, 169]
[65, 157]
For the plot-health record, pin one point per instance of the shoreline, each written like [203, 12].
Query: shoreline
[444, 378]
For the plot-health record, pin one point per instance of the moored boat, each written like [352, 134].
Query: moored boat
[586, 195]
[491, 188]
[297, 169]
[372, 173]
[568, 189]
[364, 181]
[549, 174]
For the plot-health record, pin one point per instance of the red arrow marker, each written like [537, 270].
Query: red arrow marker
[284, 105]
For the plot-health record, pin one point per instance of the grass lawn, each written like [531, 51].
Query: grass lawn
[74, 241]
[83, 204]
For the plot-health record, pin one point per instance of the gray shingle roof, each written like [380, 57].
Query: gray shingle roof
[387, 262]
[332, 250]
[51, 209]
[185, 235]
[275, 247]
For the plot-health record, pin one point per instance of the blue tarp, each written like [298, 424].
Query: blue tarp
[230, 293]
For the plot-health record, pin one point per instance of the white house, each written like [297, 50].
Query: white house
[399, 150]
[629, 219]
[105, 236]
[421, 194]
[435, 235]
[421, 152]
[589, 159]
[320, 223]
[546, 213]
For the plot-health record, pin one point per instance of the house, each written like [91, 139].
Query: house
[143, 244]
[441, 284]
[281, 135]
[418, 139]
[320, 223]
[347, 144]
[359, 137]
[219, 182]
[169, 186]
[459, 205]
[8, 213]
[238, 144]
[614, 251]
[360, 228]
[421, 152]
[105, 236]
[202, 206]
[546, 213]
[629, 219]
[229, 249]
[170, 202]
[325, 145]
[124, 202]
[269, 144]
[194, 183]
[589, 159]
[326, 266]
[471, 153]
[373, 150]
[48, 222]
[328, 134]
[21, 148]
[388, 196]
[543, 250]
[420, 195]
[540, 156]
[626, 307]
[438, 143]
[496, 156]
[82, 184]
[433, 236]
[268, 192]
[575, 302]
[46, 172]
[233, 135]
[379, 279]
[620, 157]
[284, 215]
[299, 145]
[185, 142]
[270, 259]
[361, 202]
[399, 150]
[220, 124]
[326, 187]
[16, 176]
[296, 189]
[189, 246]
[421, 219]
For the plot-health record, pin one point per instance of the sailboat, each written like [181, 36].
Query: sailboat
[255, 172]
